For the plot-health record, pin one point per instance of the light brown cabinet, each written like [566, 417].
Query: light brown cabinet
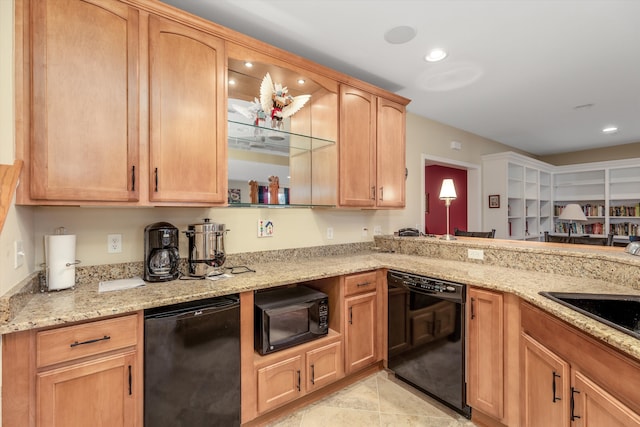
[361, 325]
[285, 376]
[187, 109]
[125, 107]
[371, 150]
[545, 386]
[83, 105]
[569, 378]
[485, 355]
[73, 376]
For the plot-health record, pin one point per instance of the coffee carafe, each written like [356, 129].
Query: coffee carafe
[161, 255]
[206, 248]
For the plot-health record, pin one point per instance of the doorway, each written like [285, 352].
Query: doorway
[435, 213]
[472, 207]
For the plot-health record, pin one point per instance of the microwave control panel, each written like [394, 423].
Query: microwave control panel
[323, 314]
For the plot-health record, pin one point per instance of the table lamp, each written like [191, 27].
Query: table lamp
[572, 213]
[447, 193]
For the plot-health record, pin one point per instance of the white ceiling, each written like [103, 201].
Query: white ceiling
[516, 69]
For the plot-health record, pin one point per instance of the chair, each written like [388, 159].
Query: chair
[486, 234]
[580, 240]
[555, 239]
[598, 241]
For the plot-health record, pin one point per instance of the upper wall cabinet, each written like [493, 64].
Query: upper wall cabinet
[372, 150]
[187, 149]
[84, 108]
[118, 106]
[284, 161]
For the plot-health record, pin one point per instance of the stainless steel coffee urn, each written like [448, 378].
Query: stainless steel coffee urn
[206, 248]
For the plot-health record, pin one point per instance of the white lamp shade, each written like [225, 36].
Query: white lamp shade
[572, 212]
[448, 190]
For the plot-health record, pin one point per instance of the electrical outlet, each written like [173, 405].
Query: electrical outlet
[329, 233]
[377, 230]
[114, 243]
[475, 254]
[18, 250]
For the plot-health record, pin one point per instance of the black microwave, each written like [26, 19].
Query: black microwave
[285, 317]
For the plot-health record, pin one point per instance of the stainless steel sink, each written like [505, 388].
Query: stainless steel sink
[618, 311]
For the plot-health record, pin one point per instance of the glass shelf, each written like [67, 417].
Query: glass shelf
[265, 139]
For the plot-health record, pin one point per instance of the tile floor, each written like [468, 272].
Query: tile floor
[378, 400]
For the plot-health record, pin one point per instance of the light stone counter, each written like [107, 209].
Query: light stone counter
[535, 270]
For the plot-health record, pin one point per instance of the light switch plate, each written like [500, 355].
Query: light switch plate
[475, 254]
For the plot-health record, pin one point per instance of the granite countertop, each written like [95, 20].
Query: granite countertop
[84, 302]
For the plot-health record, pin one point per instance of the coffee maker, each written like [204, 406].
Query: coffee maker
[161, 254]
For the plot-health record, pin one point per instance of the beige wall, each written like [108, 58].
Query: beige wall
[618, 152]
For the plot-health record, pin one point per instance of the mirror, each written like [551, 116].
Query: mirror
[288, 162]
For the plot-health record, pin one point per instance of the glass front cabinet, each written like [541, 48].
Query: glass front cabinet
[282, 131]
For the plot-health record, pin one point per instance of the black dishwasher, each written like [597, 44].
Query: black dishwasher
[192, 364]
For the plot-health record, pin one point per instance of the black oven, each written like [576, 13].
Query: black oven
[285, 317]
[426, 344]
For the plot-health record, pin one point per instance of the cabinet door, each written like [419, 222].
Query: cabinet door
[592, 406]
[187, 102]
[360, 331]
[544, 386]
[279, 383]
[84, 107]
[357, 148]
[390, 153]
[485, 357]
[97, 393]
[324, 366]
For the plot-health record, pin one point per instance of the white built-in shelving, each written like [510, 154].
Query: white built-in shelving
[536, 192]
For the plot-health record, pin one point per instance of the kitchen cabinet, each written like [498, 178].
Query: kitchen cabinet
[187, 109]
[125, 107]
[83, 374]
[371, 150]
[301, 150]
[285, 376]
[493, 356]
[570, 378]
[485, 355]
[84, 108]
[361, 325]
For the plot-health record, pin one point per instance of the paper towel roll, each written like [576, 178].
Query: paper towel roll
[60, 258]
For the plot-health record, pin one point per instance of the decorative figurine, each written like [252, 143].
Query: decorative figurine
[274, 186]
[253, 192]
[277, 103]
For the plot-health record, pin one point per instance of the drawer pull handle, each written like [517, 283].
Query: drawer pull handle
[363, 284]
[313, 374]
[473, 311]
[298, 385]
[104, 338]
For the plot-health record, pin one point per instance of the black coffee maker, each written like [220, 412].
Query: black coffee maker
[161, 254]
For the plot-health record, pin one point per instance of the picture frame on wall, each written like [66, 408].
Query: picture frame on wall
[494, 201]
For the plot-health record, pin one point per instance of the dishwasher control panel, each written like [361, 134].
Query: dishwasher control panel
[426, 284]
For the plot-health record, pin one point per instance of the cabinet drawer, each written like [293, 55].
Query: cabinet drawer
[358, 283]
[87, 339]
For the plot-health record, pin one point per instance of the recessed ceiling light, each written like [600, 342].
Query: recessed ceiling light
[610, 130]
[300, 81]
[232, 82]
[400, 35]
[435, 55]
[248, 64]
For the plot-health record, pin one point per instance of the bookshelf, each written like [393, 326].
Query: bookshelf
[533, 193]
